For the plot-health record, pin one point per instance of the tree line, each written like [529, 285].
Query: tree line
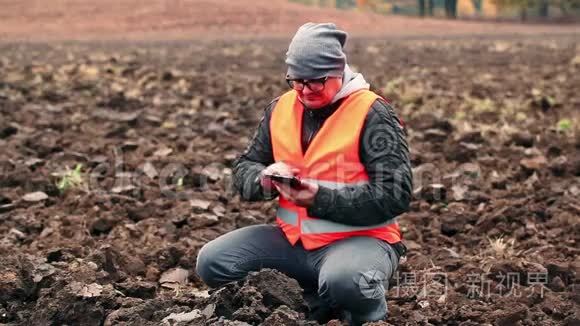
[542, 6]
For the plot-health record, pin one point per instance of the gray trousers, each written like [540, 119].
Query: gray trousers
[349, 275]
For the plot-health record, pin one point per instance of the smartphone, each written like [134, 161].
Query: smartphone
[291, 181]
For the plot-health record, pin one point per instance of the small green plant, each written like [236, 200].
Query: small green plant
[564, 125]
[71, 179]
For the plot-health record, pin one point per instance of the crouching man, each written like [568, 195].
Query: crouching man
[336, 231]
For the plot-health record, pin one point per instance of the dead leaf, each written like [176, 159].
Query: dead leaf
[17, 233]
[534, 163]
[150, 170]
[412, 245]
[42, 271]
[432, 193]
[459, 192]
[453, 253]
[183, 317]
[112, 115]
[91, 290]
[531, 181]
[163, 152]
[173, 278]
[219, 211]
[99, 159]
[531, 226]
[123, 189]
[199, 204]
[33, 162]
[202, 220]
[209, 310]
[435, 135]
[212, 172]
[200, 293]
[35, 196]
[6, 208]
[129, 145]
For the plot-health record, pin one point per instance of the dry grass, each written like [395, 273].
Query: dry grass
[498, 249]
[502, 248]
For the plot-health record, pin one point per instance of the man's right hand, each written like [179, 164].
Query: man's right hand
[279, 168]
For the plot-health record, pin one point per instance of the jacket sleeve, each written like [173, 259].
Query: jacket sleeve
[385, 155]
[257, 156]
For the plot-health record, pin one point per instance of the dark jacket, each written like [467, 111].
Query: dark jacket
[383, 151]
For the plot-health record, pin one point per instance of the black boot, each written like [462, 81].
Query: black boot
[319, 310]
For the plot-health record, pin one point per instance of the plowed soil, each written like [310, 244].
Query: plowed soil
[153, 128]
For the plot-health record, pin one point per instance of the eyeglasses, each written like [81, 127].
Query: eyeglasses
[315, 85]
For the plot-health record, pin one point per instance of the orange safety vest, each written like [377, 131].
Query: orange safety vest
[331, 160]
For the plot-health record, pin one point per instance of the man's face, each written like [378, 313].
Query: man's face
[316, 99]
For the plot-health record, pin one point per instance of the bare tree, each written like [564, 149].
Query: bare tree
[425, 7]
[451, 8]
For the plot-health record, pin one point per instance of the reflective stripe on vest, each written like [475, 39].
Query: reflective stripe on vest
[335, 185]
[323, 226]
[288, 216]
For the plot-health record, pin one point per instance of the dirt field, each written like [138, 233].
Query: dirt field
[115, 161]
[34, 20]
[157, 126]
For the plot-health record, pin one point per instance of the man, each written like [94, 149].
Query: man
[335, 233]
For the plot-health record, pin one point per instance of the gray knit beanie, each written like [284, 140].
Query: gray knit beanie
[316, 51]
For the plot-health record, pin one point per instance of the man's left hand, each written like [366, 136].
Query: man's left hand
[304, 196]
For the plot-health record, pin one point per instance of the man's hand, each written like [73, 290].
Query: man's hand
[303, 197]
[279, 168]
